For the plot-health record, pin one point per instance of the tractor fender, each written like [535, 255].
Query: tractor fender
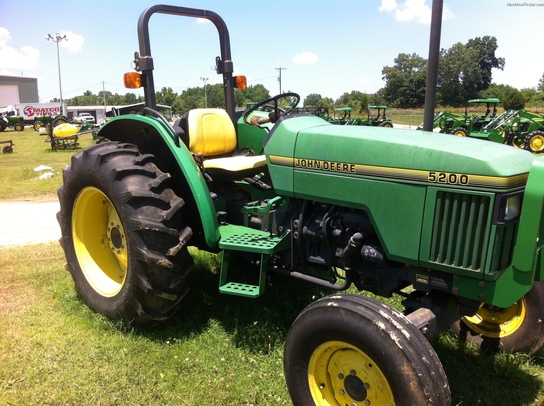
[154, 136]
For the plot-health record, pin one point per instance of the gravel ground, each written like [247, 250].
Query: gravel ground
[28, 221]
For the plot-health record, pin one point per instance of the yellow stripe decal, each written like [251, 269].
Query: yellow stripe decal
[444, 178]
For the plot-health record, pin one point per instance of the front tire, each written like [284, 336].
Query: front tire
[535, 141]
[460, 132]
[123, 234]
[350, 349]
[518, 328]
[386, 124]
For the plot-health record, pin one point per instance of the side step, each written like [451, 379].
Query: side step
[245, 239]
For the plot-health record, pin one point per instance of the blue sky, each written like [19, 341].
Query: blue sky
[325, 47]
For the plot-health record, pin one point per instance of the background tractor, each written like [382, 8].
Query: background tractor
[463, 125]
[450, 224]
[375, 117]
[8, 120]
[519, 128]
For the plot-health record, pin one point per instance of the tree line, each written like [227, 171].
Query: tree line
[464, 72]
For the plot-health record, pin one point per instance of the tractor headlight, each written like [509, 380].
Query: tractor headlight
[508, 207]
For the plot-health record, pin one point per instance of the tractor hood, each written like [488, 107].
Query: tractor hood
[310, 143]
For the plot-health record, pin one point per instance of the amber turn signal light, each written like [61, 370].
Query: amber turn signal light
[132, 80]
[240, 82]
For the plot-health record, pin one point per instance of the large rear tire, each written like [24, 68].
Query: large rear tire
[123, 234]
[518, 328]
[349, 349]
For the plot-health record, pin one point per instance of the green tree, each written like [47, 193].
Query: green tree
[540, 86]
[513, 99]
[405, 81]
[131, 98]
[215, 96]
[313, 100]
[465, 70]
[484, 49]
[255, 93]
[165, 96]
[190, 98]
[532, 97]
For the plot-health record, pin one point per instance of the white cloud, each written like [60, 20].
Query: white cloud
[412, 10]
[305, 58]
[13, 61]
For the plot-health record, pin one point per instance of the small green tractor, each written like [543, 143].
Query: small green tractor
[530, 126]
[519, 128]
[463, 125]
[9, 120]
[452, 225]
[374, 117]
[42, 121]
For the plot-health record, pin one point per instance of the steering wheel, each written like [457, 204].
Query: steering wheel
[271, 104]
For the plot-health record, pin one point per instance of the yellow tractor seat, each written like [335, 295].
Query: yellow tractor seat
[212, 136]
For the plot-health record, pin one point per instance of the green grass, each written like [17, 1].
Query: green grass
[217, 350]
[18, 180]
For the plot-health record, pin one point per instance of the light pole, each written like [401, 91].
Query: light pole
[205, 92]
[58, 38]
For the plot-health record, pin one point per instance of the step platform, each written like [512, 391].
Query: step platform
[245, 239]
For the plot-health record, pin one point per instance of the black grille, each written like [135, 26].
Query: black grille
[461, 230]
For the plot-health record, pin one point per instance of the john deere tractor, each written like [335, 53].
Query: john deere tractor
[463, 125]
[519, 128]
[451, 224]
[9, 119]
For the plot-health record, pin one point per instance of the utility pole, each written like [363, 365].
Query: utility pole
[205, 80]
[279, 75]
[58, 38]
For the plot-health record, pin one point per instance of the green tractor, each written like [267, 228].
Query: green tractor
[375, 117]
[519, 128]
[452, 225]
[44, 120]
[530, 126]
[463, 125]
[8, 119]
[342, 116]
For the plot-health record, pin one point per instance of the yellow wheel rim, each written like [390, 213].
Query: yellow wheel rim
[460, 133]
[537, 143]
[497, 322]
[99, 241]
[342, 374]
